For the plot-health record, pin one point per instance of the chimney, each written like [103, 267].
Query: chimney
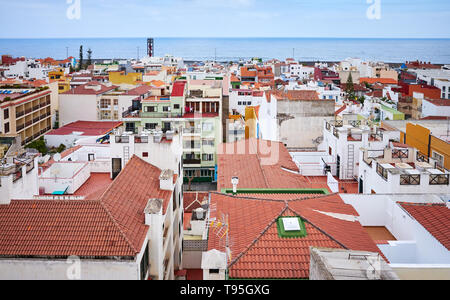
[154, 207]
[166, 180]
[235, 182]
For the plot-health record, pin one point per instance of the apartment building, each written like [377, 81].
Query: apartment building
[76, 190]
[398, 169]
[344, 138]
[86, 103]
[26, 112]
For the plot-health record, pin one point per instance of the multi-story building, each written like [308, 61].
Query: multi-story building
[86, 103]
[127, 228]
[398, 169]
[344, 138]
[26, 112]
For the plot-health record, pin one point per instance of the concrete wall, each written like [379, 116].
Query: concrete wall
[305, 117]
[36, 269]
[74, 108]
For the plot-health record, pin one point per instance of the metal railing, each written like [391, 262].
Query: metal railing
[409, 179]
[440, 179]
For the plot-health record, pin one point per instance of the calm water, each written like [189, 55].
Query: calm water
[306, 49]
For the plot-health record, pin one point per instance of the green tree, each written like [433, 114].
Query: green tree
[89, 59]
[39, 145]
[350, 88]
[80, 63]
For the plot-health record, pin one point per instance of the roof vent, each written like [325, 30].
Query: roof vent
[154, 207]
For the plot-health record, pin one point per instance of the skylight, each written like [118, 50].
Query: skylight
[291, 224]
[291, 227]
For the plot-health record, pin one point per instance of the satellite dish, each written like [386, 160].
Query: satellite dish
[57, 157]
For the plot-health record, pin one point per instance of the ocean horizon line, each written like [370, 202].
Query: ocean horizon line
[230, 37]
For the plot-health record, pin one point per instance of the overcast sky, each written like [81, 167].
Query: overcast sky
[224, 18]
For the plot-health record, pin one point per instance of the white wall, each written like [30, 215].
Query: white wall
[74, 108]
[37, 269]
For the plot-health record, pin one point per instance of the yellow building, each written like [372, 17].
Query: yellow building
[423, 135]
[59, 76]
[251, 122]
[118, 78]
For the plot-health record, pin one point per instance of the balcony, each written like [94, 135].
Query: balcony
[192, 131]
[409, 179]
[122, 139]
[192, 161]
[441, 179]
[141, 139]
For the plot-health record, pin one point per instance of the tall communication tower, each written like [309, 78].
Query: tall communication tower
[150, 47]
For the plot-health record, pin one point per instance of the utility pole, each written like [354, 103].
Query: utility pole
[137, 53]
[215, 54]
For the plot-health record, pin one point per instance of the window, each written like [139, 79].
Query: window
[105, 103]
[166, 108]
[208, 157]
[144, 154]
[6, 127]
[91, 157]
[214, 271]
[239, 102]
[144, 264]
[176, 106]
[116, 102]
[438, 157]
[150, 126]
[6, 114]
[150, 109]
[208, 143]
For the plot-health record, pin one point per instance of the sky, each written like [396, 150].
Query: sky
[224, 18]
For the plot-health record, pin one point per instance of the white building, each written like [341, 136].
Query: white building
[135, 223]
[396, 170]
[343, 139]
[414, 247]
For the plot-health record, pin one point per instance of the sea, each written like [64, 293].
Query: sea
[233, 49]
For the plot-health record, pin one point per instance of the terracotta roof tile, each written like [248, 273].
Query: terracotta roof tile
[435, 218]
[258, 251]
[111, 226]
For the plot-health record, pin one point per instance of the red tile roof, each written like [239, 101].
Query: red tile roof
[88, 89]
[435, 218]
[139, 91]
[439, 102]
[259, 252]
[380, 80]
[302, 95]
[88, 128]
[259, 164]
[60, 229]
[178, 88]
[95, 186]
[192, 201]
[113, 226]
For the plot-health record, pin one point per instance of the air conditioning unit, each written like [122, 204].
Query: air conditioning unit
[169, 135]
[157, 138]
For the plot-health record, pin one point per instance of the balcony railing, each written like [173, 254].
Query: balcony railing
[409, 179]
[382, 172]
[141, 139]
[400, 153]
[122, 139]
[440, 179]
[192, 161]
